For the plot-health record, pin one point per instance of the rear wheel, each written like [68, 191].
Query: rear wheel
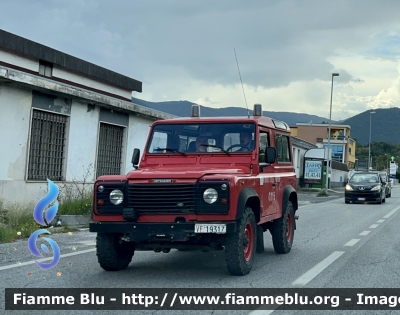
[347, 201]
[112, 253]
[283, 231]
[240, 246]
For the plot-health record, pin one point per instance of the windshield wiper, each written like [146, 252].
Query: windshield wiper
[170, 150]
[215, 146]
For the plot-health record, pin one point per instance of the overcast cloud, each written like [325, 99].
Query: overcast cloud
[184, 49]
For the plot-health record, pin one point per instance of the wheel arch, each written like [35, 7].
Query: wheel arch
[289, 194]
[248, 197]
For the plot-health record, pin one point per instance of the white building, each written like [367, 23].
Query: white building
[299, 148]
[61, 117]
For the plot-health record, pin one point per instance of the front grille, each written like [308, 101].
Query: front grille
[162, 198]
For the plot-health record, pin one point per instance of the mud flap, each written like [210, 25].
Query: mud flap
[296, 217]
[260, 240]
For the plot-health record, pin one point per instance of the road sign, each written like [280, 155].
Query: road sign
[393, 169]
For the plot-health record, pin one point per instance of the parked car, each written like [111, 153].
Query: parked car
[388, 184]
[364, 187]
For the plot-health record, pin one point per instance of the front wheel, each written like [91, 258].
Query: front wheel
[283, 231]
[112, 254]
[240, 246]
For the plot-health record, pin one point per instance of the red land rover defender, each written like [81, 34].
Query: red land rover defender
[220, 193]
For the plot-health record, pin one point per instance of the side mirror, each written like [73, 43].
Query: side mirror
[270, 155]
[135, 158]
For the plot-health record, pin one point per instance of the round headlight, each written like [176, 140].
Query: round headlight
[100, 188]
[210, 195]
[116, 197]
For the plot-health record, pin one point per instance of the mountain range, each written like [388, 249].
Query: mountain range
[385, 125]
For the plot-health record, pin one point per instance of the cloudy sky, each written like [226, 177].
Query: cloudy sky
[184, 49]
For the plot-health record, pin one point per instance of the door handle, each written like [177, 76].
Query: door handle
[274, 185]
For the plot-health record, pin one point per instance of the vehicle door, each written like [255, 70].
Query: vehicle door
[284, 166]
[266, 176]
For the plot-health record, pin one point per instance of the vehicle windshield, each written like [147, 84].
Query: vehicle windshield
[189, 138]
[364, 178]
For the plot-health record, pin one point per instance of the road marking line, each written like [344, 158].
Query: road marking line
[352, 242]
[380, 221]
[363, 233]
[45, 259]
[373, 226]
[317, 269]
[391, 212]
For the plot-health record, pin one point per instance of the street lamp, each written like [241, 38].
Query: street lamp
[329, 137]
[369, 145]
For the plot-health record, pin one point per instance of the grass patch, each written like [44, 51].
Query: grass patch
[16, 223]
[76, 207]
[322, 193]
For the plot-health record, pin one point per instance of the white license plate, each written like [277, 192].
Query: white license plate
[360, 198]
[210, 228]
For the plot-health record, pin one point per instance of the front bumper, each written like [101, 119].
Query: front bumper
[357, 196]
[156, 232]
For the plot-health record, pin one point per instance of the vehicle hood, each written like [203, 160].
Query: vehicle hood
[175, 172]
[363, 186]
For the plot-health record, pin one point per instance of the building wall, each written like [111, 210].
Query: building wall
[82, 142]
[137, 137]
[338, 178]
[23, 62]
[81, 150]
[72, 77]
[15, 109]
[298, 161]
[351, 157]
[311, 133]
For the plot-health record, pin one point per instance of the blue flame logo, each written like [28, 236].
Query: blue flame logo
[49, 216]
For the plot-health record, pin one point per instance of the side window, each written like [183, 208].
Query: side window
[282, 148]
[263, 143]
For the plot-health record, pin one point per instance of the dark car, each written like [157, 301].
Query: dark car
[388, 184]
[364, 187]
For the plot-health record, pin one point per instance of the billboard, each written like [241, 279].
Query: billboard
[313, 171]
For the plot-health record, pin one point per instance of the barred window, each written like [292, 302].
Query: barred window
[109, 159]
[47, 146]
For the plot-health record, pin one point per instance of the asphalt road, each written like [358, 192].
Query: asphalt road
[332, 249]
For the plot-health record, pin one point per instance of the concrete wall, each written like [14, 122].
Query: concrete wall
[81, 145]
[23, 62]
[137, 137]
[338, 178]
[72, 77]
[298, 161]
[82, 141]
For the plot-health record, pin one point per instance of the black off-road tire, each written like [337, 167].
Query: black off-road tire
[240, 246]
[111, 254]
[283, 230]
[347, 201]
